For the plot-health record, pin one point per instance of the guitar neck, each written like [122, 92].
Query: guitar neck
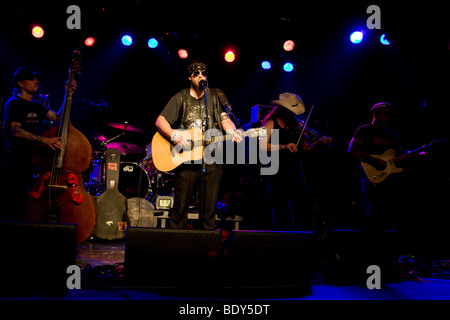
[223, 138]
[409, 154]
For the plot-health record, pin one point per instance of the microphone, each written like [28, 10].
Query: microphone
[203, 83]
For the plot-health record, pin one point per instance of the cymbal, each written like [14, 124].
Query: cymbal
[100, 137]
[125, 126]
[125, 147]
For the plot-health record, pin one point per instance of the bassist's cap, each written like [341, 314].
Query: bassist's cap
[382, 107]
[24, 73]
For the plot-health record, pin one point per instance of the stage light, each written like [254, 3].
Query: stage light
[383, 40]
[288, 67]
[183, 54]
[289, 45]
[37, 32]
[152, 43]
[230, 56]
[266, 65]
[127, 40]
[356, 37]
[89, 41]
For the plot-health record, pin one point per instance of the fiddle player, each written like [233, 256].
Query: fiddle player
[22, 117]
[288, 193]
[186, 110]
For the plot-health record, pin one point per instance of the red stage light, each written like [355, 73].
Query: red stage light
[37, 32]
[230, 56]
[289, 45]
[183, 54]
[89, 41]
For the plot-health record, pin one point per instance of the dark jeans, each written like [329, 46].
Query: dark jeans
[290, 203]
[384, 203]
[17, 177]
[187, 180]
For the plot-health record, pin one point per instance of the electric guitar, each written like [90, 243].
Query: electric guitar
[378, 176]
[167, 156]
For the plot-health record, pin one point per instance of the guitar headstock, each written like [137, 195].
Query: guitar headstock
[75, 64]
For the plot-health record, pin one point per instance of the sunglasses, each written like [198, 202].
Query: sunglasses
[196, 73]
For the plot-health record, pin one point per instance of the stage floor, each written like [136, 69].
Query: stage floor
[101, 264]
[110, 257]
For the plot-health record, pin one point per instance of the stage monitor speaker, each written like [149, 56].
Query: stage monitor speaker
[173, 258]
[272, 260]
[35, 257]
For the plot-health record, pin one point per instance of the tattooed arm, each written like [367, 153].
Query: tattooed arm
[19, 132]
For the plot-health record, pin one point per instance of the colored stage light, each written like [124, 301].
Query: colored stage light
[289, 45]
[152, 43]
[356, 37]
[383, 40]
[89, 41]
[127, 40]
[230, 56]
[288, 67]
[37, 32]
[266, 65]
[183, 54]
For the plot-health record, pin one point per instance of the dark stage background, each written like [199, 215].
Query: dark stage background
[341, 79]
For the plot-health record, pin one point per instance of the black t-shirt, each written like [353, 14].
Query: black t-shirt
[29, 113]
[186, 112]
[377, 140]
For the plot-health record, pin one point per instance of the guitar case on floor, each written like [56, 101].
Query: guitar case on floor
[112, 205]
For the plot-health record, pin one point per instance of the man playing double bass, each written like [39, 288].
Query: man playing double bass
[23, 115]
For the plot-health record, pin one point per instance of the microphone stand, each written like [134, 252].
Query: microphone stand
[201, 208]
[204, 84]
[236, 120]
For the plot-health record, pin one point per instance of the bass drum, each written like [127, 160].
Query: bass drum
[133, 180]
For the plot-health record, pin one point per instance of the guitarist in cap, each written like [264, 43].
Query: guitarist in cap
[380, 200]
[187, 110]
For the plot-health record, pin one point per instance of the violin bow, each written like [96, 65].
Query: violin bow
[304, 125]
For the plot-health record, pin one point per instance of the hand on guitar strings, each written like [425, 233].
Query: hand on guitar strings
[179, 139]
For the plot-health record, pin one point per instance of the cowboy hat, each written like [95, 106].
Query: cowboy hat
[290, 101]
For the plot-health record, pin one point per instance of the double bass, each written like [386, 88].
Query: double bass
[59, 194]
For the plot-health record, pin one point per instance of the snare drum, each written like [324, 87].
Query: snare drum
[133, 180]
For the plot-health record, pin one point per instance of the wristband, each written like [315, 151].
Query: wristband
[174, 135]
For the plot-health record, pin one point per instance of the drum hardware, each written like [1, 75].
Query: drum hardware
[125, 126]
[125, 147]
[134, 181]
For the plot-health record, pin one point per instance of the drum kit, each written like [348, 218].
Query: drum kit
[136, 179]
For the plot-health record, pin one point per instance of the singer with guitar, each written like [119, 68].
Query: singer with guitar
[384, 195]
[203, 108]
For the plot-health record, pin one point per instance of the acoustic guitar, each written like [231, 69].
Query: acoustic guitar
[167, 156]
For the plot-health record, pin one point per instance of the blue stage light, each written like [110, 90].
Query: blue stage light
[152, 43]
[266, 65]
[383, 40]
[356, 37]
[288, 67]
[127, 40]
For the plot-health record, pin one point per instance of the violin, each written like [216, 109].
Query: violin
[309, 133]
